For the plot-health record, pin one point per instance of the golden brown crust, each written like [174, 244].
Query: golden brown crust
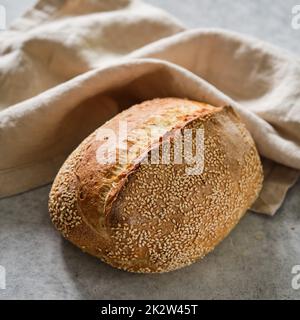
[155, 218]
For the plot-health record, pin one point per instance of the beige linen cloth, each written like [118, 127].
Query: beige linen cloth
[67, 66]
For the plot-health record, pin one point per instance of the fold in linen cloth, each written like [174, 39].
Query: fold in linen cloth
[67, 66]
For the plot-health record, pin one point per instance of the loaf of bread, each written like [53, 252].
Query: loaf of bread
[142, 214]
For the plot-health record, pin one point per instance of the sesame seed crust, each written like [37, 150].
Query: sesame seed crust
[144, 217]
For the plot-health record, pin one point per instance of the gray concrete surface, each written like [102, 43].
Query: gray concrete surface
[254, 262]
